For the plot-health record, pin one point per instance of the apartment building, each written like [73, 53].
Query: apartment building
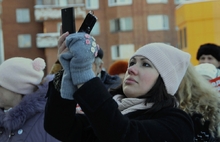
[31, 28]
[19, 29]
[1, 36]
[198, 23]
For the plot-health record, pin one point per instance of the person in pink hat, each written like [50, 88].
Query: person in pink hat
[143, 108]
[22, 101]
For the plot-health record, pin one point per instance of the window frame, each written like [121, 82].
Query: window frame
[23, 15]
[122, 51]
[165, 24]
[156, 2]
[92, 4]
[119, 2]
[122, 24]
[96, 29]
[25, 40]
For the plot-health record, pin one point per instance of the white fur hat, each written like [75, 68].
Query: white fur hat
[170, 62]
[207, 69]
[21, 75]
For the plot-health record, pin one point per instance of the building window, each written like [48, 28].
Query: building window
[0, 8]
[96, 29]
[119, 2]
[92, 4]
[123, 51]
[180, 39]
[179, 1]
[156, 1]
[183, 38]
[23, 15]
[158, 22]
[122, 24]
[1, 44]
[24, 41]
[39, 2]
[61, 2]
[59, 27]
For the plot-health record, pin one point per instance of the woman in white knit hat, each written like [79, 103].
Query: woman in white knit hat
[22, 101]
[143, 108]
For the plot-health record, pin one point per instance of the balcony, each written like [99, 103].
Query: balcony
[49, 13]
[47, 40]
[53, 12]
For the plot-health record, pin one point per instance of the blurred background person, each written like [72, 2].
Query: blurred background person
[22, 100]
[110, 81]
[209, 53]
[207, 70]
[118, 68]
[201, 101]
[210, 73]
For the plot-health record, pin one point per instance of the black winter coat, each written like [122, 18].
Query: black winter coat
[202, 133]
[103, 122]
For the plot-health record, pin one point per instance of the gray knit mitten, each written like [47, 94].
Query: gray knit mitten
[84, 49]
[67, 88]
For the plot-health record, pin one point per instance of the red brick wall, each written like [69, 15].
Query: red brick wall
[11, 29]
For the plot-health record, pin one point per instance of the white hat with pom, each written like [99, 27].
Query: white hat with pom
[21, 75]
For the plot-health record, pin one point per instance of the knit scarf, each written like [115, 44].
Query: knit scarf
[127, 105]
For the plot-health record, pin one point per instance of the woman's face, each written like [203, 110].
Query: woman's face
[140, 77]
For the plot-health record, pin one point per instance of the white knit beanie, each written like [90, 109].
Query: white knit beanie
[207, 69]
[21, 75]
[170, 62]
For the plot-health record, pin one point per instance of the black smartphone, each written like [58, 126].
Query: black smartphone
[68, 20]
[88, 23]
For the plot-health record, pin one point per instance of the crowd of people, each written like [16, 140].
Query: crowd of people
[156, 95]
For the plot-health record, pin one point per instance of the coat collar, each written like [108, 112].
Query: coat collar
[27, 108]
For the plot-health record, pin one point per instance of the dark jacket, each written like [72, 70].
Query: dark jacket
[202, 133]
[24, 123]
[103, 122]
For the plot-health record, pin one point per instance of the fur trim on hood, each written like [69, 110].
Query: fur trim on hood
[27, 108]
